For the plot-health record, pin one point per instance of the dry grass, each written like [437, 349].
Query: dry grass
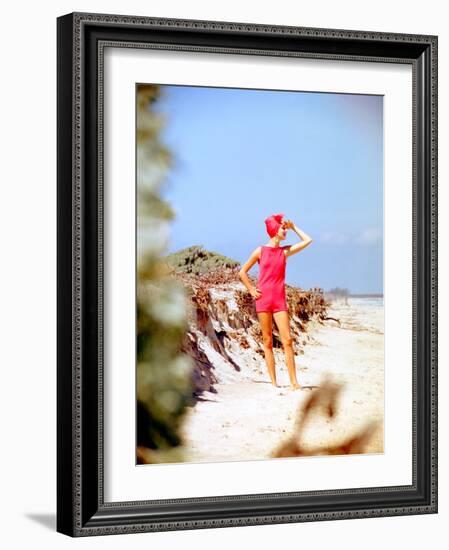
[324, 401]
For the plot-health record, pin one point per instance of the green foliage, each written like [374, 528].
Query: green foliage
[197, 260]
[164, 374]
[337, 291]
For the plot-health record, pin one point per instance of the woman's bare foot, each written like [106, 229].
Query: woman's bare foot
[295, 386]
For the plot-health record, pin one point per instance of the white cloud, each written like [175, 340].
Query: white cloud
[368, 236]
[371, 235]
[334, 237]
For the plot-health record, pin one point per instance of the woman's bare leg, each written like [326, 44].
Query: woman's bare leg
[266, 324]
[282, 322]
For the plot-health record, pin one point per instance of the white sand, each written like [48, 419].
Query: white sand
[248, 418]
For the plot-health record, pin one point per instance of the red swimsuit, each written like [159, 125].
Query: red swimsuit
[271, 281]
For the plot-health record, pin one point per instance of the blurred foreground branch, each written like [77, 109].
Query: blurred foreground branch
[324, 401]
[164, 385]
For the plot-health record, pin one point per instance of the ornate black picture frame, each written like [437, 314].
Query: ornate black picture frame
[81, 510]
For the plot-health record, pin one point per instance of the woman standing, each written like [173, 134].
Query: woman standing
[269, 293]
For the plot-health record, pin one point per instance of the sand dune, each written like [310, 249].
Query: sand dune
[248, 418]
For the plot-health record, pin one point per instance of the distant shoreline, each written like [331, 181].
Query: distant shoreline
[362, 295]
[366, 295]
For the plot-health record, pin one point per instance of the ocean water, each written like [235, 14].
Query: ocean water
[367, 302]
[360, 313]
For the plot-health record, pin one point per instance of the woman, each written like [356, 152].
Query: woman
[269, 293]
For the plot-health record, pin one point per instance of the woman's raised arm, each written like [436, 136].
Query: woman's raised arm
[306, 240]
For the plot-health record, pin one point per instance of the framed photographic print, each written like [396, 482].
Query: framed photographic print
[247, 274]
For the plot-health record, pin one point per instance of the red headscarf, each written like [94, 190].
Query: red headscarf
[273, 223]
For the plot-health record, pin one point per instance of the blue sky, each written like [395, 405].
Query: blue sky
[241, 155]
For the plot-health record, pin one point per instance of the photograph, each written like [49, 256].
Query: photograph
[259, 274]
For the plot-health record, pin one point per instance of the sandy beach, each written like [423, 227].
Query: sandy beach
[248, 418]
